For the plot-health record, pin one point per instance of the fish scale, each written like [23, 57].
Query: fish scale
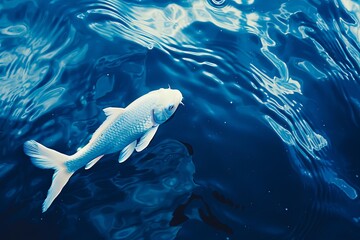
[117, 135]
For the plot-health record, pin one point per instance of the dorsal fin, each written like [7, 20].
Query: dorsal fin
[110, 111]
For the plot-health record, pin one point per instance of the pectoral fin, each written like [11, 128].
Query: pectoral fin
[145, 140]
[92, 162]
[127, 151]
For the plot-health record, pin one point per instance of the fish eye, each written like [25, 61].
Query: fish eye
[171, 107]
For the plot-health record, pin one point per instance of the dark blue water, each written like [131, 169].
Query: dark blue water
[266, 147]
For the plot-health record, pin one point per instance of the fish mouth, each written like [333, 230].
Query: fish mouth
[179, 97]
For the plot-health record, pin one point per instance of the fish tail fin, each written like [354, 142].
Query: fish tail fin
[47, 158]
[60, 178]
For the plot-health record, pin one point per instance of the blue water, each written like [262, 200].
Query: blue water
[266, 147]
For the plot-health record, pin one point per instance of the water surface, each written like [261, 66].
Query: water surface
[266, 146]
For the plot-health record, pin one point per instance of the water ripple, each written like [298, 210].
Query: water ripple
[149, 187]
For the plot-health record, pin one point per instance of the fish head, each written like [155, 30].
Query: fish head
[167, 102]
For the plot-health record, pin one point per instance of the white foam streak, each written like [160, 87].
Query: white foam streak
[353, 7]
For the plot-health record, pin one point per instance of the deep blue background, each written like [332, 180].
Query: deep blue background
[266, 146]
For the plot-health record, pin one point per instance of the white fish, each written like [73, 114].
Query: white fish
[126, 129]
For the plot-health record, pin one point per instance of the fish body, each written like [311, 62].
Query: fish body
[125, 129]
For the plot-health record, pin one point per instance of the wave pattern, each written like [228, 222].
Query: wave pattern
[249, 70]
[147, 189]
